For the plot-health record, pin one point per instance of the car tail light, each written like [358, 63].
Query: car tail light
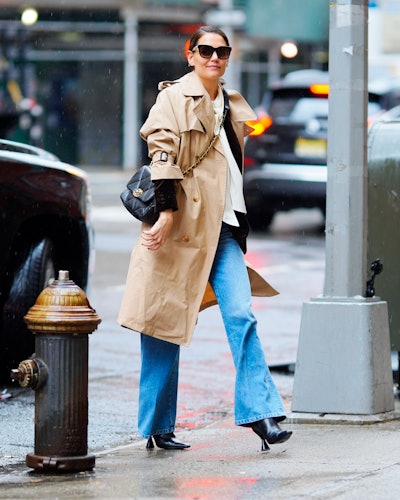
[319, 88]
[260, 125]
[248, 162]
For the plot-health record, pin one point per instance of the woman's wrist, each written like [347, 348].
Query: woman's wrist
[166, 213]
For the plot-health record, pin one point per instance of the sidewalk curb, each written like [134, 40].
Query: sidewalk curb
[342, 419]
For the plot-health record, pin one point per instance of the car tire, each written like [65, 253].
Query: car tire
[33, 275]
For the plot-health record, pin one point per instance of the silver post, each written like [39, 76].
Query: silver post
[343, 359]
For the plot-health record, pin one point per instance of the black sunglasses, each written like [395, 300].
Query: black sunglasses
[207, 51]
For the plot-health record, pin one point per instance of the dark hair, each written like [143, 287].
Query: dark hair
[202, 31]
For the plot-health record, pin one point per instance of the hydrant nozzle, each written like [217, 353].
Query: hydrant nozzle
[30, 373]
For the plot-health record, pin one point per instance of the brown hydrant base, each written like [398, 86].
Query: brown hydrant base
[60, 464]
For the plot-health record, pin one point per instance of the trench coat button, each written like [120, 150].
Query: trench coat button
[185, 238]
[196, 197]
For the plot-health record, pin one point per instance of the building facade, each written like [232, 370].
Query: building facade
[83, 78]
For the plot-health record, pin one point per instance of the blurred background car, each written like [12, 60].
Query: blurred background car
[45, 227]
[391, 115]
[285, 156]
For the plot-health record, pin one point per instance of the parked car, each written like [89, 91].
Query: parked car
[45, 227]
[285, 157]
[391, 115]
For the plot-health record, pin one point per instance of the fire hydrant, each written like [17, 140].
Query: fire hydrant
[61, 320]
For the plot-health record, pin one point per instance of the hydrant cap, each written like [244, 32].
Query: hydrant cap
[62, 307]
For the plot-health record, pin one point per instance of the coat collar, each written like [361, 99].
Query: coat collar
[192, 86]
[190, 83]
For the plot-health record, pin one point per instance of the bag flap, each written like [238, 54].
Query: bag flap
[140, 184]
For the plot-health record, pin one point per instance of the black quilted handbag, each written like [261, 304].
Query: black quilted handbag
[138, 197]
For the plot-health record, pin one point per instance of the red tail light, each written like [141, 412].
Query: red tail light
[248, 162]
[260, 125]
[319, 88]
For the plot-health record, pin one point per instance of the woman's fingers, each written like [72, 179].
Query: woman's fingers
[153, 238]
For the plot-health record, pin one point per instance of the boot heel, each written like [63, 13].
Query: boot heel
[264, 445]
[269, 432]
[150, 444]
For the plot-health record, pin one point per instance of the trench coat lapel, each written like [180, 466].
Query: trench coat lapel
[202, 112]
[241, 112]
[203, 109]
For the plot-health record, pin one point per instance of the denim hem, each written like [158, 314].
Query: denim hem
[278, 416]
[156, 433]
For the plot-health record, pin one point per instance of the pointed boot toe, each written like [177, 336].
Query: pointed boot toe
[168, 442]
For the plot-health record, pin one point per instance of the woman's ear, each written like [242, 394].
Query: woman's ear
[189, 56]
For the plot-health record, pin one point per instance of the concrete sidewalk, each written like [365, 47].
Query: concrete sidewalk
[225, 462]
[329, 456]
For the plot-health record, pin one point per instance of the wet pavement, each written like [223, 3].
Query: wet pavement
[225, 462]
[327, 457]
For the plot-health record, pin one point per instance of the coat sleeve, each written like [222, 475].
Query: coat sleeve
[161, 131]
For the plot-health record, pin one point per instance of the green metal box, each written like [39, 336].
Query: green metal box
[384, 215]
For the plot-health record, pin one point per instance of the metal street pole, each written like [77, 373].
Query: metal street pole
[130, 116]
[343, 360]
[228, 18]
[226, 6]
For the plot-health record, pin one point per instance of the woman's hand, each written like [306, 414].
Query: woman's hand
[153, 238]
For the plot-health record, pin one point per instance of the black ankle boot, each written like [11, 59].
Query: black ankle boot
[167, 442]
[269, 432]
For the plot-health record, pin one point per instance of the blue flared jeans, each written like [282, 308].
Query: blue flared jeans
[256, 396]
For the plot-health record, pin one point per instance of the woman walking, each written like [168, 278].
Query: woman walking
[192, 257]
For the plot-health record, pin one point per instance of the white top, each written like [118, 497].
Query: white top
[234, 199]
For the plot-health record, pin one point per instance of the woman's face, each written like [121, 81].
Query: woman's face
[208, 69]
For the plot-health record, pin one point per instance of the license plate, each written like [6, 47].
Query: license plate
[310, 148]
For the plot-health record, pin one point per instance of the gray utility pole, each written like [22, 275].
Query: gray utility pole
[130, 119]
[343, 360]
[228, 18]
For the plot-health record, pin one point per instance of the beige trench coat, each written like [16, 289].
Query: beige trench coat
[166, 288]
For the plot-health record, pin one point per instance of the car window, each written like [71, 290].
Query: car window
[309, 108]
[298, 104]
[282, 108]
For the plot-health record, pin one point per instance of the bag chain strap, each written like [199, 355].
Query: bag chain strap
[202, 156]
